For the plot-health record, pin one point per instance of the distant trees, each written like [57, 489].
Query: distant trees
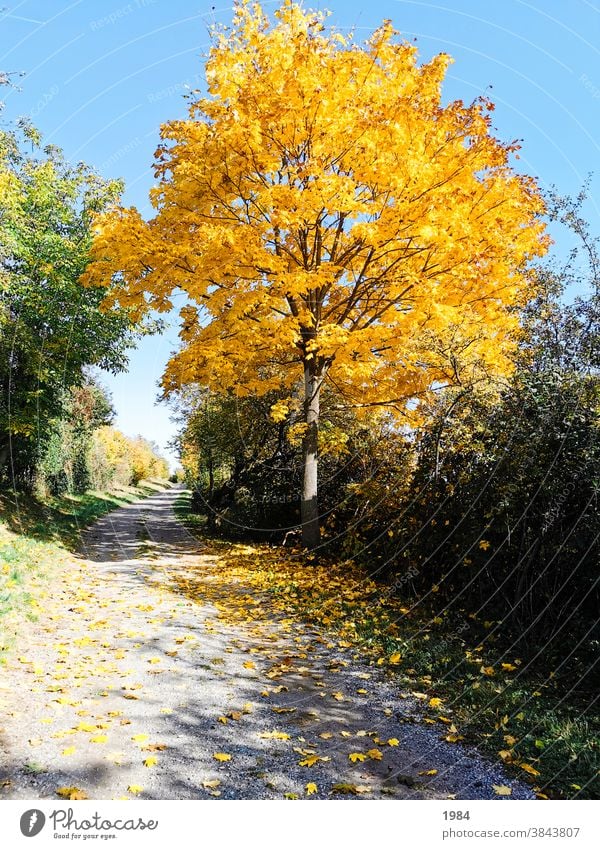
[84, 451]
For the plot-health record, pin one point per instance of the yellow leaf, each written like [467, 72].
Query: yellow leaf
[166, 710]
[435, 702]
[275, 735]
[374, 754]
[356, 756]
[488, 670]
[100, 738]
[311, 760]
[502, 790]
[151, 761]
[393, 741]
[70, 750]
[221, 756]
[311, 788]
[339, 697]
[135, 788]
[395, 658]
[139, 738]
[530, 769]
[428, 772]
[344, 788]
[249, 665]
[212, 784]
[71, 793]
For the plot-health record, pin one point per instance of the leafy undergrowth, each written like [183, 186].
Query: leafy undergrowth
[454, 665]
[35, 540]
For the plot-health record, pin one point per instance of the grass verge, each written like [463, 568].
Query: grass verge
[36, 538]
[470, 685]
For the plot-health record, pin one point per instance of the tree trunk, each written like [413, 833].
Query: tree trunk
[311, 532]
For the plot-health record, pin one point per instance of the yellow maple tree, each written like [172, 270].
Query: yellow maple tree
[329, 219]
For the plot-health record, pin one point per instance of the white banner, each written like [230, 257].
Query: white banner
[344, 824]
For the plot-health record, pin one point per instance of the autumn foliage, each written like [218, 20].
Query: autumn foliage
[331, 221]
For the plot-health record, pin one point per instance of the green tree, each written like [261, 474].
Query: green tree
[50, 327]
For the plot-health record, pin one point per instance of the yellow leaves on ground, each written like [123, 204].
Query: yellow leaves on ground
[375, 754]
[151, 761]
[275, 735]
[100, 738]
[249, 665]
[435, 702]
[339, 697]
[139, 738]
[502, 789]
[428, 772]
[356, 757]
[395, 658]
[71, 793]
[221, 757]
[70, 750]
[393, 741]
[311, 788]
[135, 788]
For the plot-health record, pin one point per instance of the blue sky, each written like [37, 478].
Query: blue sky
[100, 76]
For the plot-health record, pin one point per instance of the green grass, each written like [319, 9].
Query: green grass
[36, 538]
[523, 715]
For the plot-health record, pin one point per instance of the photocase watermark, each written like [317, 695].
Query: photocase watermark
[120, 153]
[32, 822]
[183, 87]
[92, 826]
[591, 87]
[46, 98]
[118, 14]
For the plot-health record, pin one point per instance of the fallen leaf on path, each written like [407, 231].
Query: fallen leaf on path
[135, 788]
[70, 750]
[311, 788]
[221, 756]
[101, 738]
[71, 793]
[275, 735]
[502, 790]
[139, 738]
[151, 761]
[356, 757]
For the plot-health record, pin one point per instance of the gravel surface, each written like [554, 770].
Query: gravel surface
[117, 654]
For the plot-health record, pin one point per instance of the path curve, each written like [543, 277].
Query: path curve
[124, 688]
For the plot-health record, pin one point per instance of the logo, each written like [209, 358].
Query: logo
[32, 822]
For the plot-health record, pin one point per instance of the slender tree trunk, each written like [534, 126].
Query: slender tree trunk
[311, 532]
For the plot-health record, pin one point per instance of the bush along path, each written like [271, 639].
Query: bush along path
[156, 670]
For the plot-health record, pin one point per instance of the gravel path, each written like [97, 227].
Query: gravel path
[125, 688]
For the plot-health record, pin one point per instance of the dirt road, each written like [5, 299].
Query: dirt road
[124, 688]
